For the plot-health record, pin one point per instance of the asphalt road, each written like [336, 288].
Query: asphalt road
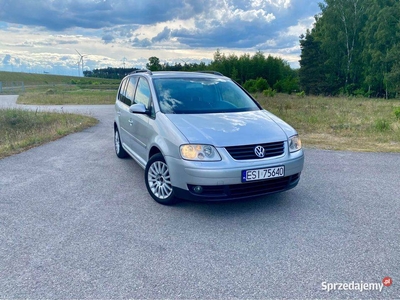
[77, 222]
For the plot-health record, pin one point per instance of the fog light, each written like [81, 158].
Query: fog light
[198, 189]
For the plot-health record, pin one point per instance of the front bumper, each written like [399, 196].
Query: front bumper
[222, 180]
[238, 191]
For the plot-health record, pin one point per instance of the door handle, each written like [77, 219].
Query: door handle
[130, 122]
[118, 113]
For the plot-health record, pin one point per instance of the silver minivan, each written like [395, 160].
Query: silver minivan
[201, 136]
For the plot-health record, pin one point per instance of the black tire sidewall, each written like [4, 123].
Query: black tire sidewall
[121, 153]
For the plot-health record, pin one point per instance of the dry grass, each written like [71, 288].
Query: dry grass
[21, 129]
[355, 124]
[69, 94]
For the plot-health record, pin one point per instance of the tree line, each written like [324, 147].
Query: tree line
[353, 49]
[256, 72]
[109, 73]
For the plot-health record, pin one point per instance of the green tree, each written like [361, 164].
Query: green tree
[382, 39]
[235, 74]
[219, 63]
[353, 49]
[312, 59]
[258, 65]
[332, 48]
[154, 64]
[392, 78]
[244, 68]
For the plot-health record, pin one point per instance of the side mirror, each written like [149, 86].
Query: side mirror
[138, 108]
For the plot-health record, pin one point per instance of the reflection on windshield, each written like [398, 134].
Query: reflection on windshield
[197, 96]
[169, 104]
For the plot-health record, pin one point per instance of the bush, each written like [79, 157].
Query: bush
[382, 125]
[397, 112]
[350, 89]
[253, 86]
[269, 92]
[301, 94]
[287, 85]
[261, 84]
[360, 93]
[249, 86]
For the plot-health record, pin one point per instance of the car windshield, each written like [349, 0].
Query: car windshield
[201, 95]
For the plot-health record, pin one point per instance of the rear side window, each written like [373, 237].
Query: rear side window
[127, 91]
[122, 90]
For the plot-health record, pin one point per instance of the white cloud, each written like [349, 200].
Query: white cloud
[254, 15]
[45, 33]
[300, 28]
[275, 3]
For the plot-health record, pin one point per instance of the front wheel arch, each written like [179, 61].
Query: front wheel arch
[158, 181]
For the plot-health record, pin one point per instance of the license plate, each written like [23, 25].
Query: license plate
[266, 173]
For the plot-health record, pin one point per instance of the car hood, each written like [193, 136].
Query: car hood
[229, 129]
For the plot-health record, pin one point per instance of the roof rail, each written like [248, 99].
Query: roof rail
[142, 71]
[212, 72]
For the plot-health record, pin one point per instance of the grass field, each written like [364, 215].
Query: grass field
[30, 79]
[64, 95]
[45, 89]
[22, 129]
[356, 124]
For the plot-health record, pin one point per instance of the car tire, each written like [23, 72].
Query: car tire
[119, 151]
[158, 181]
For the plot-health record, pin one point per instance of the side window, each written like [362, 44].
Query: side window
[130, 91]
[122, 90]
[143, 93]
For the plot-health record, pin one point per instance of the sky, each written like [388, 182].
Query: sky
[45, 36]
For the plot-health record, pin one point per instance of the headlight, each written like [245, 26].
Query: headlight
[199, 152]
[294, 143]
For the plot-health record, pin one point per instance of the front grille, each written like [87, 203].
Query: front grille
[247, 151]
[248, 189]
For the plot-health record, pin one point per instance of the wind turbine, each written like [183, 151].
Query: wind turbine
[186, 63]
[80, 60]
[79, 68]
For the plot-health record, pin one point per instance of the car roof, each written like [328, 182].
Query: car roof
[179, 74]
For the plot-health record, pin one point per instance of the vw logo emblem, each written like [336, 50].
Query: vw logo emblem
[259, 151]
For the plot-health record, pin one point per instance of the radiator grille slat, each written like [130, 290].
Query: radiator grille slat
[247, 151]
